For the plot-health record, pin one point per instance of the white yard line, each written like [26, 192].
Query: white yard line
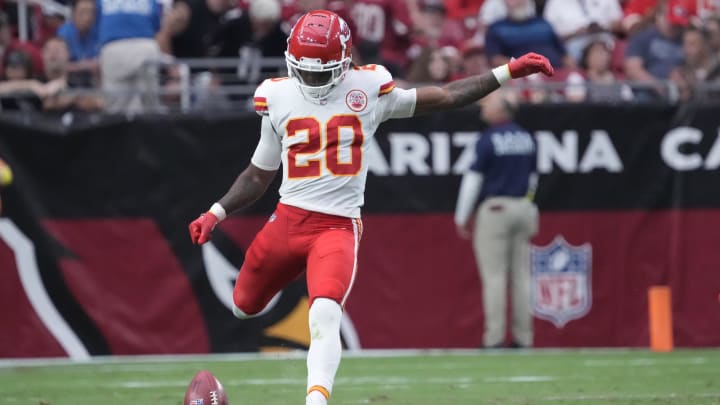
[644, 362]
[366, 380]
[397, 382]
[520, 378]
[619, 397]
[365, 353]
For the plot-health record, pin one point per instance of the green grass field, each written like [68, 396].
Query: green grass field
[687, 377]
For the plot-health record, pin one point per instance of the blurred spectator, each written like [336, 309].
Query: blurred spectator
[80, 33]
[474, 61]
[18, 92]
[251, 35]
[206, 19]
[50, 20]
[685, 9]
[436, 29]
[431, 66]
[17, 65]
[18, 89]
[596, 81]
[465, 12]
[175, 21]
[654, 52]
[56, 59]
[523, 32]
[579, 22]
[463, 9]
[128, 50]
[707, 9]
[382, 32]
[701, 65]
[81, 36]
[491, 12]
[638, 15]
[8, 43]
[712, 25]
[22, 92]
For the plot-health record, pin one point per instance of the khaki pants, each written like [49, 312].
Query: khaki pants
[503, 228]
[129, 76]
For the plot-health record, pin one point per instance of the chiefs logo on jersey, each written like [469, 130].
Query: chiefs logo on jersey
[356, 100]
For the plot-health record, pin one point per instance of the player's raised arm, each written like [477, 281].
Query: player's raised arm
[468, 90]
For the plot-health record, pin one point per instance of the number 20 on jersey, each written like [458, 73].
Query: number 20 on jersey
[330, 142]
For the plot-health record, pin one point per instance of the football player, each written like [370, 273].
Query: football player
[318, 123]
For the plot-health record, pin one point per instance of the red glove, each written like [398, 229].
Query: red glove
[201, 227]
[528, 64]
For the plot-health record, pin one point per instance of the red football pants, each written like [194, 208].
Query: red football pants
[292, 241]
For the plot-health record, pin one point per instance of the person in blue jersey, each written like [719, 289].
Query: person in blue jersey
[128, 50]
[523, 30]
[80, 33]
[81, 36]
[502, 179]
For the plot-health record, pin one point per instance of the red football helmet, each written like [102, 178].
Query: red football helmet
[318, 53]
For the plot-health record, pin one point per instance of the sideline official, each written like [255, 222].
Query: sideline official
[503, 179]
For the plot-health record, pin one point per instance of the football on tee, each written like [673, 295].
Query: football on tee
[205, 389]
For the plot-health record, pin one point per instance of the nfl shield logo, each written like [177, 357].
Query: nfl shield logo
[561, 281]
[196, 402]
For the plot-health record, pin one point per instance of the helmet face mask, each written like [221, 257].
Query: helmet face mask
[314, 79]
[318, 54]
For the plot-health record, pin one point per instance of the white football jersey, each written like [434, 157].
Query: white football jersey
[323, 147]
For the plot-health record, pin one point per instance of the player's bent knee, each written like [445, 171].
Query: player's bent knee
[325, 314]
[332, 289]
[240, 314]
[245, 307]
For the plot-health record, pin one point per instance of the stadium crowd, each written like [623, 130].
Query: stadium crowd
[603, 50]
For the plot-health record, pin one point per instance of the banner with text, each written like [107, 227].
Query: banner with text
[96, 259]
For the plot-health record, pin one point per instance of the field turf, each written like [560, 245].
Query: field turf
[687, 377]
